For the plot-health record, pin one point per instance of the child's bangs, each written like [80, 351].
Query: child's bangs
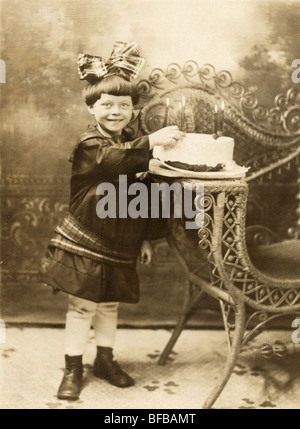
[112, 85]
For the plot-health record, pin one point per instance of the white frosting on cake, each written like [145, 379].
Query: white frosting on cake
[198, 149]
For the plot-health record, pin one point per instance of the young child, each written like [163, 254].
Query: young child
[94, 259]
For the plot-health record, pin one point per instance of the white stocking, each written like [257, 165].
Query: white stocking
[78, 323]
[105, 323]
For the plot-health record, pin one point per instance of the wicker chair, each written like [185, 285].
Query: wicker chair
[254, 284]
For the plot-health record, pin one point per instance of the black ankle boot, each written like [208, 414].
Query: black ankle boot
[70, 386]
[105, 367]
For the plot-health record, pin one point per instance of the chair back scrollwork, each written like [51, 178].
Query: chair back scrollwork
[266, 139]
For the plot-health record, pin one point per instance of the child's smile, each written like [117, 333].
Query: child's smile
[112, 112]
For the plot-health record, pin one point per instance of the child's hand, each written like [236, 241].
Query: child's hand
[146, 252]
[166, 136]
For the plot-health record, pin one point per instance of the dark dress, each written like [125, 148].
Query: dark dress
[95, 258]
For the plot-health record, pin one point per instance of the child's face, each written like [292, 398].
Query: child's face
[112, 112]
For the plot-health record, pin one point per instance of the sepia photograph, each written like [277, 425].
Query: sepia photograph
[150, 207]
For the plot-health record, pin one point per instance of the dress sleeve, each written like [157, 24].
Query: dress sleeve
[101, 158]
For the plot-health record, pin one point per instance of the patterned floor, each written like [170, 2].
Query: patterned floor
[32, 366]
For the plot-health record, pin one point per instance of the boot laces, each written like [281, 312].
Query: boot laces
[71, 372]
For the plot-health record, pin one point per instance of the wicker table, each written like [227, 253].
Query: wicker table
[234, 282]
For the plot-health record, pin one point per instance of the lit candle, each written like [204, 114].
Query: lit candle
[180, 108]
[221, 117]
[216, 120]
[167, 112]
[183, 114]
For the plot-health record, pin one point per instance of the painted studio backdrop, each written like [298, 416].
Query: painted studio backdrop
[42, 114]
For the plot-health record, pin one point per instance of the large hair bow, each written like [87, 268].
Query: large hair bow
[125, 60]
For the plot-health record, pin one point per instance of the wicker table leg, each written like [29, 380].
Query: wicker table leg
[191, 302]
[231, 357]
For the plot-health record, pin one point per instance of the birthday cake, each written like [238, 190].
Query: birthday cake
[198, 152]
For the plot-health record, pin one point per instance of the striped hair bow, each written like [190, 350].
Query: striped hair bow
[125, 61]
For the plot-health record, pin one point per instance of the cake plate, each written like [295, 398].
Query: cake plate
[161, 168]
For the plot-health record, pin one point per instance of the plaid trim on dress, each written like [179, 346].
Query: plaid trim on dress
[75, 238]
[125, 56]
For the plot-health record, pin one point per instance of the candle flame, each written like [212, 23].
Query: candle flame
[183, 101]
[222, 105]
[167, 102]
[216, 108]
